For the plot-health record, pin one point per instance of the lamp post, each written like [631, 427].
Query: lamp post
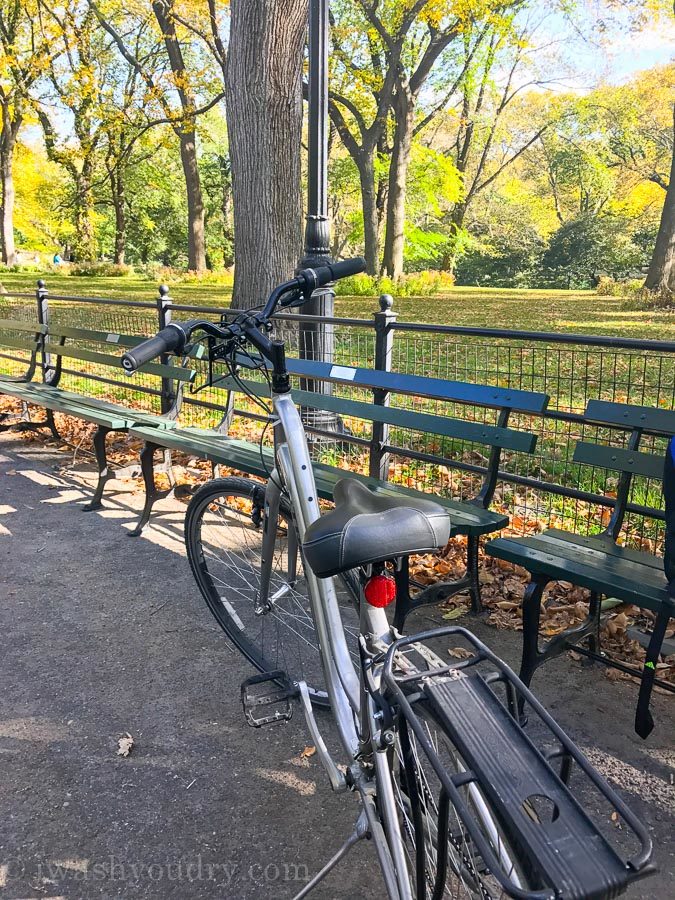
[317, 338]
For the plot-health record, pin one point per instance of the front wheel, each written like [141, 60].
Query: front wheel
[224, 529]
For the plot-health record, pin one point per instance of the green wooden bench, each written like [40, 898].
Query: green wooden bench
[84, 360]
[599, 562]
[472, 518]
[20, 343]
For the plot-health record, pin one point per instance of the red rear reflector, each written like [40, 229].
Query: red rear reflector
[380, 590]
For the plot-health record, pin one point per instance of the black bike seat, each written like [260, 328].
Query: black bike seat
[366, 527]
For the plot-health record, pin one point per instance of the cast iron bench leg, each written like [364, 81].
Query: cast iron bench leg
[532, 657]
[25, 424]
[103, 470]
[151, 492]
[52, 424]
[472, 545]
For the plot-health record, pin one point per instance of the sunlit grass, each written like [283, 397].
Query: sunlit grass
[582, 312]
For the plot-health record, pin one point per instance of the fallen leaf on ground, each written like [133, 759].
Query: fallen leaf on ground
[460, 652]
[307, 752]
[124, 745]
[454, 613]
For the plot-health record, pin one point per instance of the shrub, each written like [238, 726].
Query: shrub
[416, 284]
[223, 277]
[23, 267]
[357, 286]
[100, 269]
[660, 299]
[609, 287]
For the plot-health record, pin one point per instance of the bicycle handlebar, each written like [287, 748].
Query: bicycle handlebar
[169, 339]
[175, 336]
[323, 275]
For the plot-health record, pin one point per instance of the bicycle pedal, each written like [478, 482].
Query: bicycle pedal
[269, 689]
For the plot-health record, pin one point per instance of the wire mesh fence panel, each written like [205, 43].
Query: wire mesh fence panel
[14, 360]
[105, 380]
[571, 375]
[546, 487]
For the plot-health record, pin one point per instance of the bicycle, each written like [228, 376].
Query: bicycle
[456, 796]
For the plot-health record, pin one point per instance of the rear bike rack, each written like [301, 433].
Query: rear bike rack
[563, 851]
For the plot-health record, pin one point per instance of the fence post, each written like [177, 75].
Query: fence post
[42, 297]
[163, 318]
[384, 343]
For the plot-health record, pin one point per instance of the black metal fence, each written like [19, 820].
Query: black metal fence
[547, 487]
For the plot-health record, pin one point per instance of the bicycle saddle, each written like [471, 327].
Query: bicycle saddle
[366, 527]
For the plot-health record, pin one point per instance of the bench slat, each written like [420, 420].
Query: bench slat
[491, 435]
[596, 552]
[634, 584]
[111, 337]
[437, 388]
[17, 325]
[81, 406]
[17, 343]
[88, 412]
[649, 418]
[466, 518]
[612, 549]
[177, 373]
[619, 459]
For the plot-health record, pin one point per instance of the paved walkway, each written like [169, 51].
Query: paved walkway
[104, 635]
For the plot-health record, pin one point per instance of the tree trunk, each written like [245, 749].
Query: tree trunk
[195, 201]
[163, 10]
[394, 242]
[226, 209]
[264, 118]
[371, 235]
[661, 274]
[118, 197]
[456, 224]
[7, 145]
[7, 225]
[84, 244]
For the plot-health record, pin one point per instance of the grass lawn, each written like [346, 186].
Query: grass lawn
[581, 312]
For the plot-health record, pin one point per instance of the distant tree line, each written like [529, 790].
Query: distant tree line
[170, 132]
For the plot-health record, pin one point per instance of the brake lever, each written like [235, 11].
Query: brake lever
[298, 298]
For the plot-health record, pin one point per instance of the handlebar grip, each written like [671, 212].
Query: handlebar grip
[347, 267]
[335, 271]
[322, 275]
[167, 340]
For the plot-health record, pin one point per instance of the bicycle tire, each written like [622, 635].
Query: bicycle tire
[284, 638]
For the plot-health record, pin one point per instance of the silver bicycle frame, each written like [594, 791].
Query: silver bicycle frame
[350, 704]
[342, 680]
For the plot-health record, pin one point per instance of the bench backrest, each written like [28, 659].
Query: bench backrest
[628, 460]
[87, 361]
[498, 437]
[19, 344]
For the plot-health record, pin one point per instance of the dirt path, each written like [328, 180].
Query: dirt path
[104, 635]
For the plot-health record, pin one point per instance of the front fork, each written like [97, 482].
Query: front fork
[270, 523]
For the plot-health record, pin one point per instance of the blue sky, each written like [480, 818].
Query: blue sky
[612, 53]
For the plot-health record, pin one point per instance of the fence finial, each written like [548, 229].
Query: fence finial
[386, 302]
[163, 290]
